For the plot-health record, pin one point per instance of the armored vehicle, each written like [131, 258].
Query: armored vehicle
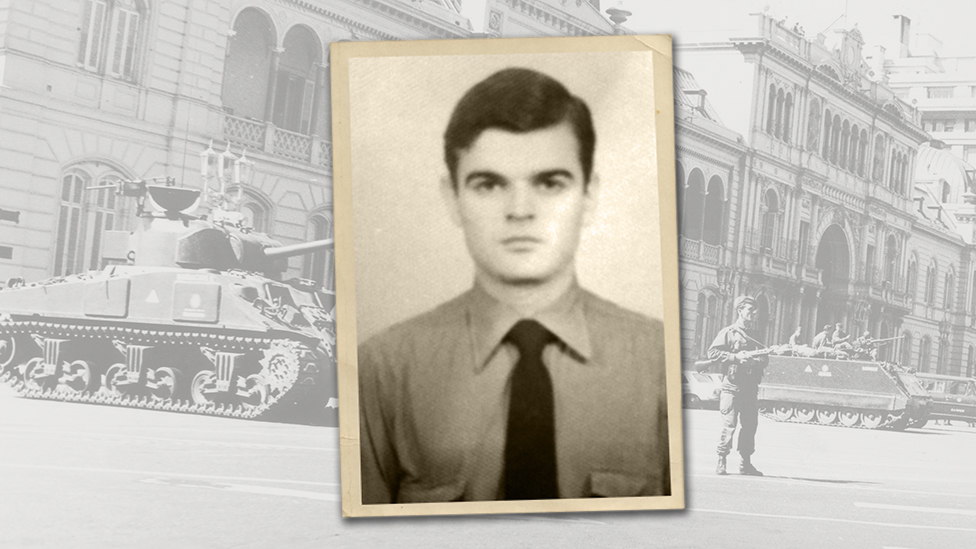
[192, 317]
[847, 393]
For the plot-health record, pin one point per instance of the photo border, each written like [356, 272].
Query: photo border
[349, 447]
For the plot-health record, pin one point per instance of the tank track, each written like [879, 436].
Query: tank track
[889, 421]
[281, 366]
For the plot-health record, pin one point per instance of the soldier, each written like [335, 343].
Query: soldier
[824, 338]
[840, 340]
[795, 338]
[743, 360]
[865, 346]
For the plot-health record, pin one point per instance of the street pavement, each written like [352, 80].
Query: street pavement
[75, 475]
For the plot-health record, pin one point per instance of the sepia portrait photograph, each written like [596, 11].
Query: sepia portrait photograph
[506, 267]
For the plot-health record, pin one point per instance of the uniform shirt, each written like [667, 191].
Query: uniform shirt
[822, 340]
[434, 394]
[729, 341]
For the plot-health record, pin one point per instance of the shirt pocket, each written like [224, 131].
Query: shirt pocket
[611, 484]
[426, 493]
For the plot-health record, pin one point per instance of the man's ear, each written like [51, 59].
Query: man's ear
[450, 196]
[591, 199]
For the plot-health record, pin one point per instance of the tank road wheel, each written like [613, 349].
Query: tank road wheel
[77, 378]
[826, 416]
[110, 378]
[8, 349]
[167, 383]
[204, 380]
[782, 412]
[257, 391]
[849, 418]
[871, 420]
[804, 413]
[32, 370]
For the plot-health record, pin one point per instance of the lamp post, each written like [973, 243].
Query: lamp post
[228, 169]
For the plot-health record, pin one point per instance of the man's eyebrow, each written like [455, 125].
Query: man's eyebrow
[482, 174]
[546, 174]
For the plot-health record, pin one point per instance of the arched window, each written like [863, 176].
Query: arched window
[948, 292]
[906, 349]
[320, 265]
[930, 283]
[112, 35]
[941, 367]
[924, 350]
[780, 105]
[911, 278]
[694, 206]
[904, 173]
[770, 210]
[891, 260]
[972, 296]
[895, 170]
[862, 152]
[296, 81]
[713, 224]
[787, 117]
[828, 131]
[679, 178]
[771, 111]
[877, 170]
[845, 144]
[83, 217]
[700, 326]
[835, 139]
[813, 126]
[946, 191]
[256, 211]
[852, 153]
[247, 67]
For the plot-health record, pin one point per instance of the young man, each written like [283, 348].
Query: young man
[526, 386]
[735, 347]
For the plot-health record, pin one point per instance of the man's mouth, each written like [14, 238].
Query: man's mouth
[520, 241]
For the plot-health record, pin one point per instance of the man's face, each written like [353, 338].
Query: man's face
[747, 312]
[522, 201]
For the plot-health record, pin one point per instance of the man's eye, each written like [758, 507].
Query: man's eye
[486, 185]
[552, 184]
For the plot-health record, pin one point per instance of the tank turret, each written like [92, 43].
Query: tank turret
[170, 235]
[189, 314]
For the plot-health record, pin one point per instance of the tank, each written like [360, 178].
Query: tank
[190, 315]
[845, 393]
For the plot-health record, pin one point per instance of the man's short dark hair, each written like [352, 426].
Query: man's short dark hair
[517, 100]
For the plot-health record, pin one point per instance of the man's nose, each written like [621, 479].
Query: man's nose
[521, 203]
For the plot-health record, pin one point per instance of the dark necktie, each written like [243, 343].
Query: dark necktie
[530, 443]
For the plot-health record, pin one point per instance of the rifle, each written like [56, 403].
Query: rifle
[885, 340]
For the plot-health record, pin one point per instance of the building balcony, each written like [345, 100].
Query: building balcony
[701, 251]
[265, 137]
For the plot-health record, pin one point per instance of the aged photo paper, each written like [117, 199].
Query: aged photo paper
[413, 236]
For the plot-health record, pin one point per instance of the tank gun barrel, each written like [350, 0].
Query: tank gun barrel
[298, 249]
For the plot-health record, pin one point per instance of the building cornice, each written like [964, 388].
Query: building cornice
[391, 9]
[763, 46]
[540, 12]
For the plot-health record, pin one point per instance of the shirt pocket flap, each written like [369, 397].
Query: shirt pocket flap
[417, 493]
[610, 484]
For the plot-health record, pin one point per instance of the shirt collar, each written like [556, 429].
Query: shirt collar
[490, 319]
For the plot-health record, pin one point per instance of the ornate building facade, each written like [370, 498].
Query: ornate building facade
[99, 90]
[826, 220]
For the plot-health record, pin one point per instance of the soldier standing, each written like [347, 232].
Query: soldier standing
[736, 347]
